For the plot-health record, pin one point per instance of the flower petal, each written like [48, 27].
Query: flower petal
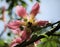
[14, 24]
[42, 23]
[16, 41]
[20, 11]
[35, 9]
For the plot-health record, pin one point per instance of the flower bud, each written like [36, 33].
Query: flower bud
[16, 41]
[20, 11]
[23, 35]
[35, 9]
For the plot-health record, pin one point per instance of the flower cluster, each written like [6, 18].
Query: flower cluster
[22, 28]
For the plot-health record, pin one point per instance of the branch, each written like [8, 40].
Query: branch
[53, 30]
[55, 34]
[49, 33]
[50, 24]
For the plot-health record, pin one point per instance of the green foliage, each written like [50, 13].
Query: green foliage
[23, 3]
[38, 0]
[3, 44]
[52, 41]
[31, 0]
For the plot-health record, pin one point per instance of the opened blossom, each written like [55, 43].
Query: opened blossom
[27, 25]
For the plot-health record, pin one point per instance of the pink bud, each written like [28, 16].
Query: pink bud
[16, 41]
[20, 11]
[35, 9]
[37, 42]
[23, 35]
[42, 23]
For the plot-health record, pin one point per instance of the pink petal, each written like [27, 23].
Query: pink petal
[16, 41]
[42, 23]
[14, 45]
[14, 24]
[16, 31]
[23, 35]
[35, 9]
[20, 11]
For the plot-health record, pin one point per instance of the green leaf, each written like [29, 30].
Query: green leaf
[53, 43]
[33, 37]
[1, 43]
[23, 4]
[31, 0]
[38, 0]
[43, 39]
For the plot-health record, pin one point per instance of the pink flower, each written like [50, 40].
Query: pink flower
[16, 41]
[20, 11]
[35, 9]
[42, 23]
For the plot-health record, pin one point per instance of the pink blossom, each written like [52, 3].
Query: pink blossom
[42, 23]
[35, 9]
[20, 11]
[16, 41]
